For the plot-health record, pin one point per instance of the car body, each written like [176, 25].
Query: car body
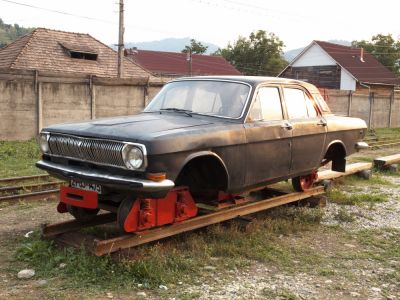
[212, 134]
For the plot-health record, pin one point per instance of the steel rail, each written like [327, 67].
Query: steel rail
[23, 178]
[32, 196]
[30, 187]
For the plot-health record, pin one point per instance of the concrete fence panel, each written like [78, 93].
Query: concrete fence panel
[64, 102]
[119, 100]
[18, 111]
[380, 113]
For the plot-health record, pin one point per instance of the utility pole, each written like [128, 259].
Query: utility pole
[189, 60]
[121, 39]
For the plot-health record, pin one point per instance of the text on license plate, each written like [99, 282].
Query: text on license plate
[86, 186]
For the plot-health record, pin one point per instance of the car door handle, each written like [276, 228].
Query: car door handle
[322, 123]
[287, 126]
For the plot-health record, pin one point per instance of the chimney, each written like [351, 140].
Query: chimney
[362, 55]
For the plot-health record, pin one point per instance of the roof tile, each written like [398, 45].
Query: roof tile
[176, 64]
[42, 50]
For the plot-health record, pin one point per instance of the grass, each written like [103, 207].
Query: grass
[387, 132]
[18, 158]
[279, 294]
[344, 216]
[340, 197]
[354, 180]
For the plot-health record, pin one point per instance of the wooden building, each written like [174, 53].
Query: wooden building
[333, 66]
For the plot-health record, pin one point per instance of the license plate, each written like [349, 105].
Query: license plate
[86, 186]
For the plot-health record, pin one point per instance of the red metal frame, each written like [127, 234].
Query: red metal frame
[307, 181]
[178, 205]
[77, 197]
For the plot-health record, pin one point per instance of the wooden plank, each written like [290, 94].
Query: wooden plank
[77, 240]
[350, 169]
[127, 241]
[380, 162]
[72, 225]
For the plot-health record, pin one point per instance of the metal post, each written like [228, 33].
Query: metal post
[350, 103]
[92, 99]
[390, 108]
[121, 39]
[39, 107]
[371, 108]
[39, 103]
[189, 60]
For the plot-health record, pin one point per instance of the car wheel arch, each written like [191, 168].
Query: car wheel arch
[206, 156]
[336, 152]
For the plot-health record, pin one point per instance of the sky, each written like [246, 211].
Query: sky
[295, 22]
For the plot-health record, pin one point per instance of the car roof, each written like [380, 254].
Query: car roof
[252, 80]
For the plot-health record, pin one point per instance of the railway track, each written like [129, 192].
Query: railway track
[35, 187]
[375, 142]
[68, 233]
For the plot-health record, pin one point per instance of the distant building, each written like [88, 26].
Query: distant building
[174, 64]
[46, 50]
[334, 66]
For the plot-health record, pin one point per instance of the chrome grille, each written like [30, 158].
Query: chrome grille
[86, 149]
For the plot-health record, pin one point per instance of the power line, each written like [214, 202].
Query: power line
[58, 11]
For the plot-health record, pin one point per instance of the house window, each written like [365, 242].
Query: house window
[79, 51]
[83, 55]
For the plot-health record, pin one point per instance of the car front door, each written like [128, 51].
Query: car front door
[308, 129]
[268, 138]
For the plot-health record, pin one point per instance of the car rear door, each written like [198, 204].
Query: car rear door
[308, 129]
[268, 152]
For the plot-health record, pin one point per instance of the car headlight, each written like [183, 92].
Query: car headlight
[44, 142]
[133, 157]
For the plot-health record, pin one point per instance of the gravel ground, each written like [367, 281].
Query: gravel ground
[380, 215]
[261, 281]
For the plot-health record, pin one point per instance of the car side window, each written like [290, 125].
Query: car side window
[312, 111]
[267, 105]
[295, 103]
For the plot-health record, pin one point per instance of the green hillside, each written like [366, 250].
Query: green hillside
[9, 33]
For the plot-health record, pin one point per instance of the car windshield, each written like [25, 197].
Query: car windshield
[207, 97]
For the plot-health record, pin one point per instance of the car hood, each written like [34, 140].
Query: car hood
[131, 128]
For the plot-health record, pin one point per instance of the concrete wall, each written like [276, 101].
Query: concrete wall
[119, 100]
[65, 102]
[379, 107]
[29, 102]
[18, 114]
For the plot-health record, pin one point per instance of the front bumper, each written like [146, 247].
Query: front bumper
[102, 177]
[361, 145]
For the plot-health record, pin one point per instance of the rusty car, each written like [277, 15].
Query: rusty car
[200, 140]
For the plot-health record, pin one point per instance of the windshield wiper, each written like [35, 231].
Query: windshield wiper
[185, 111]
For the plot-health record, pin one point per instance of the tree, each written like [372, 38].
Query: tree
[196, 47]
[9, 33]
[385, 49]
[259, 54]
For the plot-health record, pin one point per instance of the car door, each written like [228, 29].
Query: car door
[308, 129]
[268, 138]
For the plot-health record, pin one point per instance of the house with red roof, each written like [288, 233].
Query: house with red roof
[339, 67]
[47, 50]
[175, 64]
